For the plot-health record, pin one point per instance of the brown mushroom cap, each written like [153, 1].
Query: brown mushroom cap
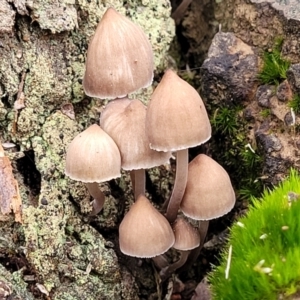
[119, 58]
[187, 237]
[93, 156]
[176, 116]
[124, 120]
[209, 193]
[144, 232]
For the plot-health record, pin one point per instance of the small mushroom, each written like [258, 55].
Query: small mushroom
[119, 58]
[93, 157]
[208, 195]
[176, 120]
[186, 238]
[144, 232]
[124, 120]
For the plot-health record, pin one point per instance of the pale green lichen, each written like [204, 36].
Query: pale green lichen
[71, 259]
[53, 15]
[15, 283]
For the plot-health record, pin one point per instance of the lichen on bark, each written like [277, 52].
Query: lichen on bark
[46, 48]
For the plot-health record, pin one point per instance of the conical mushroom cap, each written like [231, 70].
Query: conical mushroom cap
[124, 120]
[187, 237]
[119, 58]
[176, 116]
[209, 193]
[93, 156]
[144, 232]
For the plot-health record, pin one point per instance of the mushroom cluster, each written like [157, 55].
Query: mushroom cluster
[135, 137]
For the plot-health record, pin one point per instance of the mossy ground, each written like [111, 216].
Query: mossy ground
[265, 261]
[235, 151]
[274, 65]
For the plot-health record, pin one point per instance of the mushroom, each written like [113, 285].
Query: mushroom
[144, 232]
[124, 120]
[186, 238]
[176, 120]
[119, 58]
[208, 195]
[93, 157]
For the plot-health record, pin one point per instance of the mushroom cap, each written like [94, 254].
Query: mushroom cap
[209, 193]
[176, 116]
[144, 232]
[124, 120]
[93, 156]
[119, 58]
[187, 237]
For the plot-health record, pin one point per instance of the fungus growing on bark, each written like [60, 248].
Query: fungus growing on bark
[176, 120]
[93, 157]
[124, 120]
[144, 232]
[208, 195]
[119, 58]
[186, 238]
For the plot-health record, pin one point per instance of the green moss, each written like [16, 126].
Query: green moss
[295, 104]
[265, 262]
[265, 112]
[225, 120]
[235, 151]
[274, 66]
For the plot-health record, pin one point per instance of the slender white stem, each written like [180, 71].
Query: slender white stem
[182, 161]
[98, 196]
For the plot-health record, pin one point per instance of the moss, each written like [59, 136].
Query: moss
[225, 121]
[235, 151]
[265, 262]
[266, 112]
[274, 66]
[295, 104]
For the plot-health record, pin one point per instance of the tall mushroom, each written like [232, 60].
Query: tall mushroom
[176, 120]
[93, 157]
[119, 58]
[124, 120]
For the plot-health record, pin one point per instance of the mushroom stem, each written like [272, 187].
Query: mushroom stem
[139, 186]
[182, 161]
[169, 270]
[179, 12]
[98, 196]
[203, 227]
[160, 261]
[138, 179]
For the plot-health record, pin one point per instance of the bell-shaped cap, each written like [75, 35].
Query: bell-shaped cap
[93, 156]
[119, 58]
[187, 237]
[144, 232]
[209, 193]
[176, 116]
[124, 120]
